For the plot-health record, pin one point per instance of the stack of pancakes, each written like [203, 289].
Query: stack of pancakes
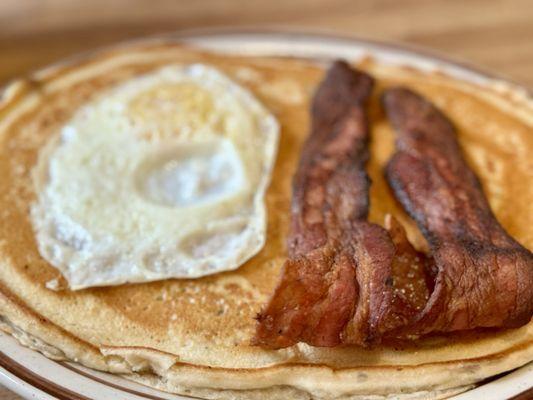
[193, 336]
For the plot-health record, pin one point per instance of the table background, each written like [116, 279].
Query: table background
[494, 34]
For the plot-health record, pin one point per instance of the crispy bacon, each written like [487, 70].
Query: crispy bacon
[484, 277]
[348, 281]
[337, 285]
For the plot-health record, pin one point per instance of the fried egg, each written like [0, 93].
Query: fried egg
[163, 176]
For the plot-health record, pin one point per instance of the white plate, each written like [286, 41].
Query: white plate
[34, 376]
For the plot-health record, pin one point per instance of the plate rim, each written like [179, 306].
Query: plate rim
[331, 35]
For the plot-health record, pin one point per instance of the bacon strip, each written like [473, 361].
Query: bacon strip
[484, 277]
[337, 285]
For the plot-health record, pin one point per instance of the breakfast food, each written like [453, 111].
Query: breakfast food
[334, 286]
[347, 281]
[161, 177]
[482, 277]
[192, 336]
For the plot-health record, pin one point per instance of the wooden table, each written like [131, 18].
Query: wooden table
[495, 34]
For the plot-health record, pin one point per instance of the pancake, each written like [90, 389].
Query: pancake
[192, 336]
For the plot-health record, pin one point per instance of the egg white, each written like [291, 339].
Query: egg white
[161, 177]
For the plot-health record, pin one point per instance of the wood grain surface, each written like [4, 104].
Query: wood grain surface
[494, 34]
